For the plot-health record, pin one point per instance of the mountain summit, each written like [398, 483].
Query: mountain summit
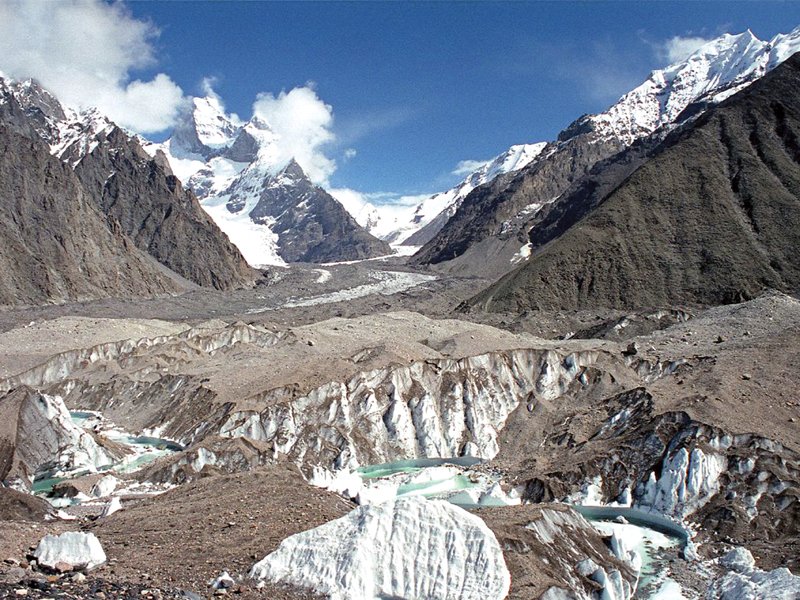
[90, 214]
[265, 205]
[490, 228]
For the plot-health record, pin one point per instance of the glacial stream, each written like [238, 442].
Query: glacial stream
[651, 536]
[451, 479]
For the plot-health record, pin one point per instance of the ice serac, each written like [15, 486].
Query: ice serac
[688, 480]
[365, 554]
[41, 439]
[744, 581]
[493, 222]
[434, 408]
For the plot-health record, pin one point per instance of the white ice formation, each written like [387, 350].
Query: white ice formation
[744, 581]
[443, 408]
[406, 548]
[688, 480]
[77, 549]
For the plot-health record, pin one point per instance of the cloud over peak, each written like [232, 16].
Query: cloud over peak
[84, 52]
[679, 48]
[302, 123]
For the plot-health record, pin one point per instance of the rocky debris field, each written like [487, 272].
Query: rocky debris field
[262, 401]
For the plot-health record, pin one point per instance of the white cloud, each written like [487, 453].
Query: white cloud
[466, 167]
[84, 52]
[350, 153]
[302, 123]
[679, 48]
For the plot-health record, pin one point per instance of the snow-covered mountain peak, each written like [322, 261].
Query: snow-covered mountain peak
[71, 134]
[513, 159]
[204, 129]
[215, 128]
[288, 176]
[782, 46]
[713, 72]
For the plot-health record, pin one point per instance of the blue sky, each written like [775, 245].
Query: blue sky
[417, 87]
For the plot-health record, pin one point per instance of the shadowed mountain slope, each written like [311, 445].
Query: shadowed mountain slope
[55, 245]
[711, 217]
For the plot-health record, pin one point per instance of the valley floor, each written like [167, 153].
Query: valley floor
[685, 412]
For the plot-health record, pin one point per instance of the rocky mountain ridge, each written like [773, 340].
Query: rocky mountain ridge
[137, 196]
[270, 209]
[493, 222]
[706, 219]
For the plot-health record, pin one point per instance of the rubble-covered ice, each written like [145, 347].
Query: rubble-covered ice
[74, 548]
[433, 408]
[405, 548]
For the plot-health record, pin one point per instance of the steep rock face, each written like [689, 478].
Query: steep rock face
[365, 555]
[708, 219]
[414, 225]
[491, 210]
[494, 220]
[206, 129]
[311, 225]
[161, 217]
[56, 245]
[136, 194]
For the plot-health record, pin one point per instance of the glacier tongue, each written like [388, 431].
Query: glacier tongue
[407, 548]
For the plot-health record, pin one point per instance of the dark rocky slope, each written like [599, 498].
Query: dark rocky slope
[55, 245]
[490, 211]
[161, 217]
[710, 218]
[312, 225]
[135, 195]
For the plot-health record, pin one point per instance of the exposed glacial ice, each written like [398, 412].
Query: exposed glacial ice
[76, 549]
[745, 582]
[54, 445]
[551, 528]
[456, 483]
[406, 548]
[688, 480]
[443, 408]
